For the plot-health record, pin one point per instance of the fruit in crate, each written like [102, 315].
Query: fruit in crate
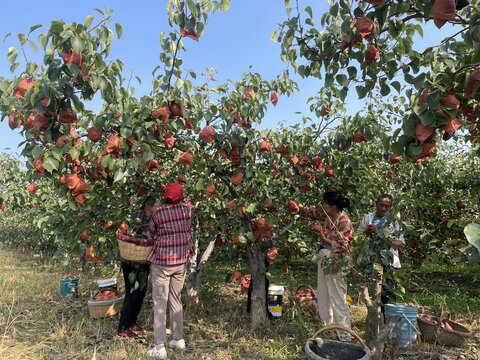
[105, 295]
[106, 277]
[69, 276]
[304, 293]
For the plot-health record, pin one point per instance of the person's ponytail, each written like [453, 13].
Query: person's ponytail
[345, 203]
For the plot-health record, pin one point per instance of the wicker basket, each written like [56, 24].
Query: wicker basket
[304, 303]
[428, 326]
[432, 331]
[134, 248]
[101, 309]
[452, 337]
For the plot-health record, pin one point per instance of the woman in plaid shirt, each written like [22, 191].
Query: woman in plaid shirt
[170, 228]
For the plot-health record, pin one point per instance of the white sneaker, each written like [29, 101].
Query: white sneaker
[177, 344]
[157, 353]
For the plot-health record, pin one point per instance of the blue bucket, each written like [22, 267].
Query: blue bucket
[68, 287]
[405, 332]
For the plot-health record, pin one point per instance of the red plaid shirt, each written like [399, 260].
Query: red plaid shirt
[170, 228]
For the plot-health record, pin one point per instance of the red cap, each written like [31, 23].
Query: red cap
[173, 193]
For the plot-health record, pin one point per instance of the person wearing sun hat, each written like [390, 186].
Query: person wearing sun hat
[170, 228]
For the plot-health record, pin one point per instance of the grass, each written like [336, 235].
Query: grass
[35, 323]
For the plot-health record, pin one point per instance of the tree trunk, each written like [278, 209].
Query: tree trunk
[374, 321]
[376, 333]
[82, 261]
[256, 259]
[194, 278]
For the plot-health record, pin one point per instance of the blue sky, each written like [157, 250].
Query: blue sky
[232, 41]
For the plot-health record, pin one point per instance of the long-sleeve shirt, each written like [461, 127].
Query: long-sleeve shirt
[340, 232]
[371, 218]
[170, 228]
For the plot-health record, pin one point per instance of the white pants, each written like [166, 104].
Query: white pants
[331, 298]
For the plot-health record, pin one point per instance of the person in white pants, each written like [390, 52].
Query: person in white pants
[336, 238]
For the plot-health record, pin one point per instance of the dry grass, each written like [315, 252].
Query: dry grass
[35, 323]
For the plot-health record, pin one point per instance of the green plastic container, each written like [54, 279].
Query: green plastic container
[68, 287]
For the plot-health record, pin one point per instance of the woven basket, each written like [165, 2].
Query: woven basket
[428, 326]
[134, 249]
[304, 303]
[455, 336]
[101, 309]
[436, 333]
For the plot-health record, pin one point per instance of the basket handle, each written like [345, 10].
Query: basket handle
[334, 327]
[305, 286]
[445, 316]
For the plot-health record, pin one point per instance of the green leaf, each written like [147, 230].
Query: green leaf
[12, 55]
[132, 276]
[308, 10]
[224, 5]
[472, 232]
[118, 30]
[78, 44]
[22, 38]
[433, 100]
[119, 175]
[74, 153]
[418, 81]
[361, 91]
[396, 85]
[352, 72]
[192, 7]
[33, 45]
[179, 83]
[384, 89]
[334, 9]
[397, 148]
[273, 36]
[251, 208]
[342, 79]
[57, 26]
[50, 164]
[328, 80]
[32, 69]
[37, 151]
[415, 149]
[43, 40]
[125, 132]
[88, 21]
[427, 118]
[200, 28]
[33, 28]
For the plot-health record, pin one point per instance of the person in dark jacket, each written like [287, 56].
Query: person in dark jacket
[133, 273]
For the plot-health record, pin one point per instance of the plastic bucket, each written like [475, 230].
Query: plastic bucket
[107, 283]
[405, 332]
[68, 287]
[275, 300]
